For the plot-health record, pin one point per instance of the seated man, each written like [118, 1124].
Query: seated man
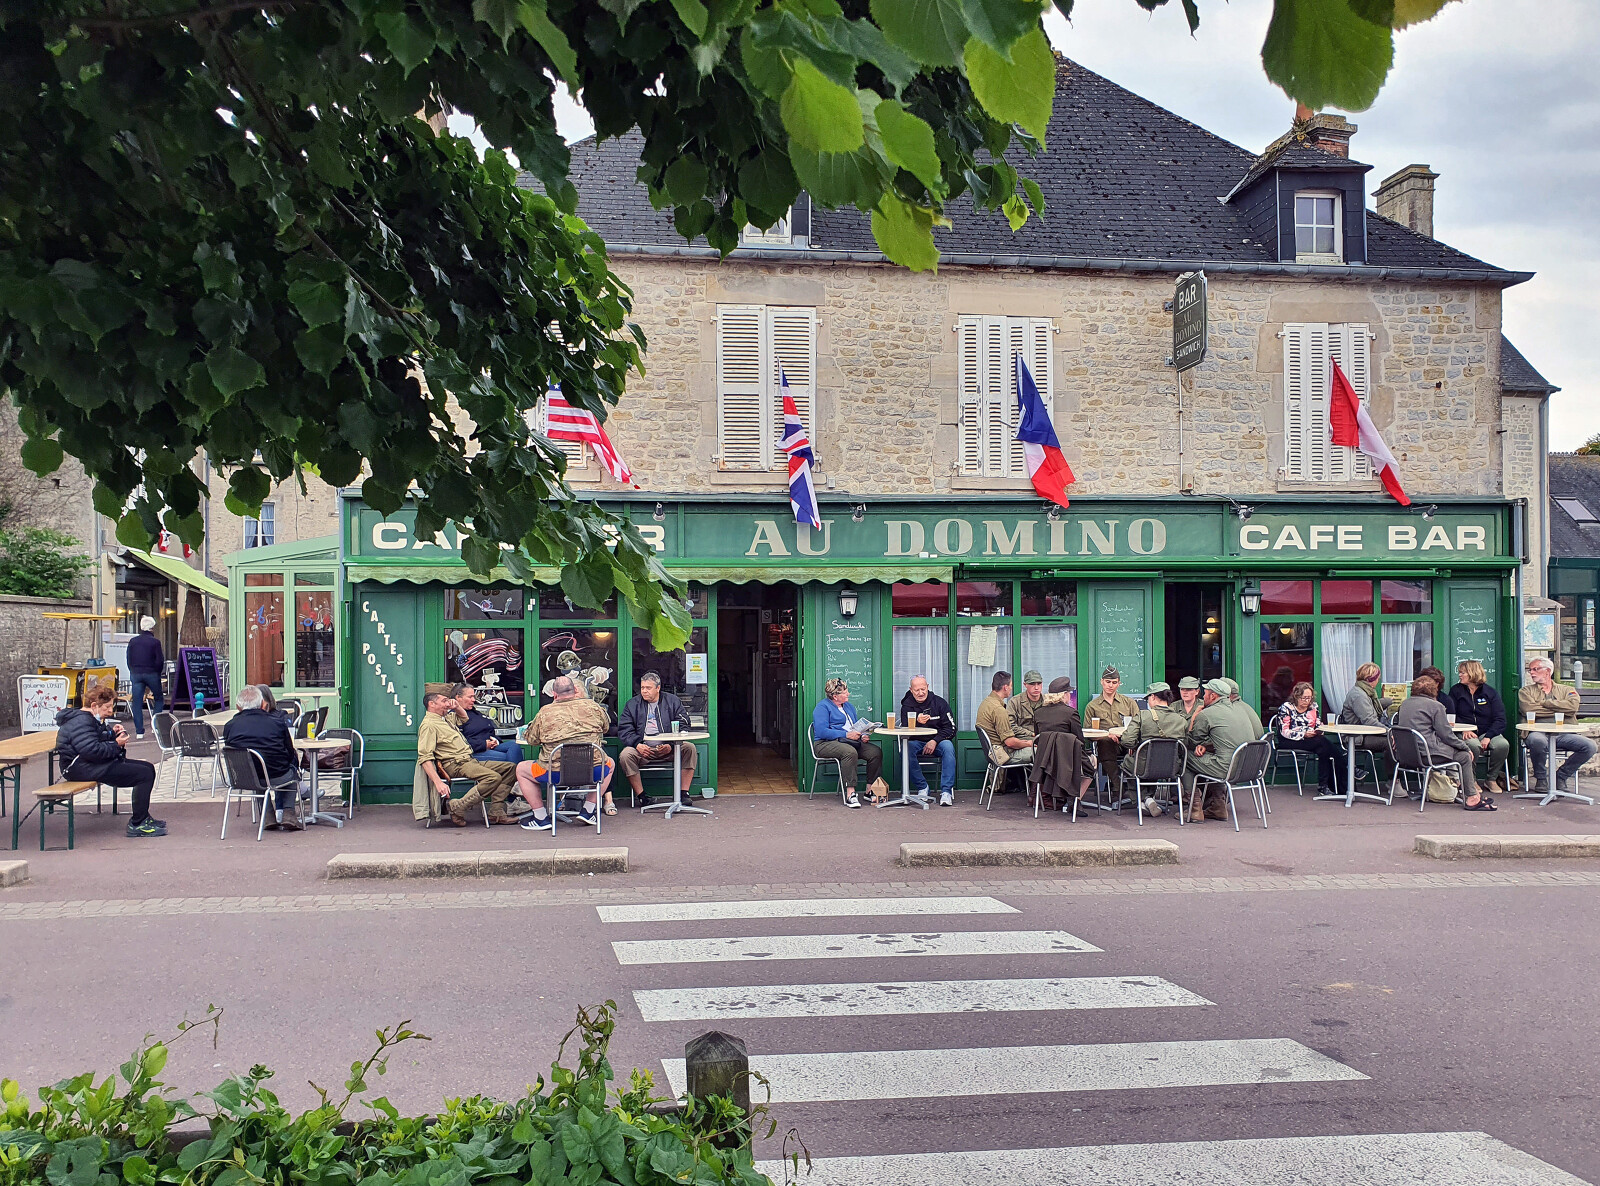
[993, 722]
[479, 730]
[1161, 719]
[643, 727]
[1108, 709]
[253, 727]
[932, 712]
[1218, 731]
[444, 754]
[569, 717]
[1189, 694]
[1543, 697]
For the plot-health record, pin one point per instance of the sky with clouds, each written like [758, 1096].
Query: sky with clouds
[1498, 96]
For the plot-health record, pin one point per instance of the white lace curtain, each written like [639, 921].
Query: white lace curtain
[924, 651]
[1051, 651]
[1345, 647]
[1407, 649]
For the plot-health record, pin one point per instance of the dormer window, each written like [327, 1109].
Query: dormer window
[779, 234]
[1317, 237]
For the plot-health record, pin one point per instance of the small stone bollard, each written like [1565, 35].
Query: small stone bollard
[716, 1064]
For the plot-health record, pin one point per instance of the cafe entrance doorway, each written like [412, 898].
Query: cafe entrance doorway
[1195, 626]
[757, 631]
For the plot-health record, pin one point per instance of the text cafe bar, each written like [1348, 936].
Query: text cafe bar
[953, 589]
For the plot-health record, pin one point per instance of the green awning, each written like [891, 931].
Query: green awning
[171, 566]
[737, 574]
[448, 574]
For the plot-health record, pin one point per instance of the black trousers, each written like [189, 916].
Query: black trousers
[1330, 758]
[129, 772]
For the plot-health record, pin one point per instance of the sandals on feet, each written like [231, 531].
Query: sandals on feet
[610, 808]
[1483, 804]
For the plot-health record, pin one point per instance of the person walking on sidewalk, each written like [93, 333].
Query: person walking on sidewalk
[93, 751]
[146, 662]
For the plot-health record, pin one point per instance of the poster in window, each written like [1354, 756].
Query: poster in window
[981, 646]
[1539, 632]
[695, 669]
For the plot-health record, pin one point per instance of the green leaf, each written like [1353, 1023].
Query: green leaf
[686, 180]
[1412, 12]
[1021, 91]
[233, 371]
[999, 23]
[532, 16]
[768, 183]
[316, 302]
[248, 487]
[1323, 54]
[1015, 210]
[329, 166]
[819, 113]
[589, 583]
[905, 233]
[670, 626]
[321, 349]
[42, 455]
[693, 14]
[839, 178]
[408, 41]
[131, 533]
[695, 220]
[499, 15]
[933, 32]
[1035, 196]
[908, 142]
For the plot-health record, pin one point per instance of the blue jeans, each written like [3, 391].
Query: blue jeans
[947, 765]
[502, 751]
[139, 681]
[1579, 749]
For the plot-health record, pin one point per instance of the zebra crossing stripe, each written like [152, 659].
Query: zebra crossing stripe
[747, 948]
[1383, 1159]
[880, 999]
[802, 908]
[1019, 1070]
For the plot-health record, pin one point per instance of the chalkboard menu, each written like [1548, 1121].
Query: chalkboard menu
[847, 655]
[1120, 634]
[198, 666]
[1474, 633]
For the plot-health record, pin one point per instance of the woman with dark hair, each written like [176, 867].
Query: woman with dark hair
[93, 751]
[1422, 712]
[1297, 727]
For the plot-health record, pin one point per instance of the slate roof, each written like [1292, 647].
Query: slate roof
[1574, 475]
[1517, 373]
[1306, 157]
[1126, 183]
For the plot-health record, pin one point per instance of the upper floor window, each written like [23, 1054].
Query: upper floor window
[259, 533]
[1317, 236]
[1309, 350]
[759, 348]
[779, 234]
[987, 443]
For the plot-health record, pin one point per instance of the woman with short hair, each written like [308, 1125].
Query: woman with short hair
[93, 751]
[1422, 712]
[1475, 702]
[839, 731]
[1297, 727]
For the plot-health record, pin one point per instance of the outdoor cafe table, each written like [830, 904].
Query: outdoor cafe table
[1527, 727]
[14, 753]
[902, 737]
[1092, 735]
[677, 803]
[1349, 734]
[312, 747]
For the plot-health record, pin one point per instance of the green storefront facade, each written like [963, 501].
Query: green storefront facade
[945, 587]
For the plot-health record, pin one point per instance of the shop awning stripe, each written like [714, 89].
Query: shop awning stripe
[454, 574]
[447, 574]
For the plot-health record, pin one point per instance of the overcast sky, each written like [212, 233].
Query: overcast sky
[1498, 96]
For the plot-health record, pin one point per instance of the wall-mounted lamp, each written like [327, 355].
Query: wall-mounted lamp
[1244, 512]
[859, 514]
[660, 513]
[1053, 514]
[1429, 511]
[1250, 599]
[848, 599]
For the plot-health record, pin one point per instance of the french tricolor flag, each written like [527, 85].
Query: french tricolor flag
[1350, 426]
[802, 491]
[1047, 468]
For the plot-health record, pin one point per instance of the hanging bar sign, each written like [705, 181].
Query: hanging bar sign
[1189, 321]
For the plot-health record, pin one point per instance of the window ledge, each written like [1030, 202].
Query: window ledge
[998, 485]
[753, 479]
[1290, 486]
[1319, 258]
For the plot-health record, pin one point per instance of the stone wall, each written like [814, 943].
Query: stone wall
[298, 516]
[33, 641]
[887, 364]
[60, 502]
[1523, 447]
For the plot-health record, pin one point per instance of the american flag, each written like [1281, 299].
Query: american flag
[486, 654]
[563, 422]
[802, 492]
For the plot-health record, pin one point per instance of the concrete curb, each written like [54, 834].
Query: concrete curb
[528, 863]
[13, 873]
[1457, 848]
[1050, 853]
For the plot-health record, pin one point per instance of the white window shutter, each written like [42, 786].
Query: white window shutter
[1041, 362]
[969, 428]
[794, 349]
[577, 452]
[1306, 377]
[1351, 347]
[742, 421]
[996, 380]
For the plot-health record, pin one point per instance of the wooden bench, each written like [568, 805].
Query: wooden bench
[48, 799]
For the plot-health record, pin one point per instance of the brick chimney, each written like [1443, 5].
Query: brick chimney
[1407, 198]
[1331, 133]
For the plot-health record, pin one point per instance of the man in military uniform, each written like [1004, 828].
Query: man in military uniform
[1218, 731]
[1161, 719]
[570, 718]
[1110, 707]
[445, 754]
[1021, 709]
[1242, 706]
[1189, 695]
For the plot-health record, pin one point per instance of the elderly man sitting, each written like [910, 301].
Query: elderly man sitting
[1541, 697]
[444, 754]
[267, 733]
[570, 718]
[643, 729]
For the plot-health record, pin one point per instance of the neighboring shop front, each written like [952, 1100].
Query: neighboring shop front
[284, 629]
[947, 588]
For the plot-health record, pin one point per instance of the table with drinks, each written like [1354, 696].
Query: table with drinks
[674, 738]
[904, 734]
[1350, 734]
[1549, 728]
[1092, 732]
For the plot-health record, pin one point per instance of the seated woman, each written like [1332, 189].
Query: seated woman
[93, 751]
[1476, 703]
[839, 731]
[1298, 727]
[1363, 706]
[1422, 712]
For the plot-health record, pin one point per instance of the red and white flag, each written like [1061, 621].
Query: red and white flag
[563, 422]
[1351, 427]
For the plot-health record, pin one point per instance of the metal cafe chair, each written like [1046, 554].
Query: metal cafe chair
[165, 725]
[245, 775]
[1159, 762]
[1247, 771]
[349, 777]
[197, 746]
[575, 765]
[994, 775]
[818, 759]
[1297, 758]
[1413, 757]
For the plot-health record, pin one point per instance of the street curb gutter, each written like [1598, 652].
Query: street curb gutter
[530, 863]
[1457, 848]
[1050, 853]
[13, 873]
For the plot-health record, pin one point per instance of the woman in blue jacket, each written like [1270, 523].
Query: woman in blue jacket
[1476, 703]
[838, 731]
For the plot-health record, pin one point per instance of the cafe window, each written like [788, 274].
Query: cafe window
[483, 605]
[260, 531]
[553, 603]
[263, 629]
[486, 658]
[973, 678]
[587, 654]
[683, 672]
[1052, 651]
[924, 651]
[313, 638]
[1309, 351]
[983, 599]
[926, 599]
[987, 349]
[1049, 599]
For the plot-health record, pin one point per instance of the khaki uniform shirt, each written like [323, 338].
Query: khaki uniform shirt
[1110, 711]
[1249, 716]
[575, 720]
[1222, 729]
[993, 721]
[1159, 721]
[1020, 709]
[1544, 706]
[439, 740]
[1191, 711]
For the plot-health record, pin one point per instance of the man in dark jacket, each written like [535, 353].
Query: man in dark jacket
[253, 727]
[644, 721]
[933, 712]
[92, 751]
[479, 730]
[145, 665]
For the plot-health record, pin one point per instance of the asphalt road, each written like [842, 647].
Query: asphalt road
[1325, 1014]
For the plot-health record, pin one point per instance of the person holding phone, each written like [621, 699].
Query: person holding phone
[93, 751]
[839, 731]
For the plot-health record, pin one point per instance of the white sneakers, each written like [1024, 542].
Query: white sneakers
[850, 799]
[1151, 807]
[946, 799]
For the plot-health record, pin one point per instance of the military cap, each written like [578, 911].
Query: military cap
[1233, 688]
[1110, 673]
[1218, 687]
[1032, 677]
[1188, 684]
[1061, 684]
[1159, 688]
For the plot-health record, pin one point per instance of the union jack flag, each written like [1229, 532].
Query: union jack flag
[802, 492]
[563, 422]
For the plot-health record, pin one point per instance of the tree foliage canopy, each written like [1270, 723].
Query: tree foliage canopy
[226, 228]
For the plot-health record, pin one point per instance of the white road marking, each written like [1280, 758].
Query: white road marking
[881, 999]
[802, 908]
[1385, 1159]
[865, 946]
[1020, 1070]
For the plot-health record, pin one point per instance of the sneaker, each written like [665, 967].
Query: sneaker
[850, 799]
[586, 816]
[946, 799]
[1152, 807]
[149, 827]
[138, 736]
[534, 824]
